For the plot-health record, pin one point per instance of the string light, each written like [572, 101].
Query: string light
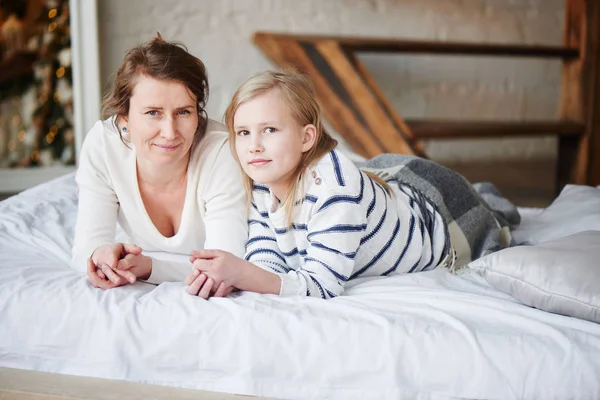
[60, 72]
[35, 155]
[21, 135]
[53, 129]
[52, 26]
[50, 137]
[52, 13]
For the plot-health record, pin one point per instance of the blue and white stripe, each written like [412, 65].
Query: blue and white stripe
[344, 226]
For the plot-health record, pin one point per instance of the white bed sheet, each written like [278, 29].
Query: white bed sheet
[422, 336]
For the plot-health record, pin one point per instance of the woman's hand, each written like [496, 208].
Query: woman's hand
[137, 264]
[105, 260]
[98, 279]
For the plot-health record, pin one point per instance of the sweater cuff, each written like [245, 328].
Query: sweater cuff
[168, 271]
[290, 285]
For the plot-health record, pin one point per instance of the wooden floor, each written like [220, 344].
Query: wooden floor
[525, 183]
[17, 384]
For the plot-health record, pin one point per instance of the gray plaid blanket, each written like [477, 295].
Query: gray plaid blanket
[478, 218]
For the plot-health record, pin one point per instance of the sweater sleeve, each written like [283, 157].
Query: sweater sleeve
[97, 205]
[262, 249]
[334, 234]
[225, 206]
[168, 271]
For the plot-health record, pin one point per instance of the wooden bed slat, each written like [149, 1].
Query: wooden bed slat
[362, 120]
[384, 45]
[450, 129]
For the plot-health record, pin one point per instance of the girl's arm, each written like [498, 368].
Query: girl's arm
[262, 249]
[334, 234]
[223, 267]
[260, 274]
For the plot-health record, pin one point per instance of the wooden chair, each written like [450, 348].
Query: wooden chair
[356, 107]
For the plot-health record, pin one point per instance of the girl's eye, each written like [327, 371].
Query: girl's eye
[243, 133]
[270, 130]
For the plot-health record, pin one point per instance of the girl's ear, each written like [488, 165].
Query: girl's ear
[309, 137]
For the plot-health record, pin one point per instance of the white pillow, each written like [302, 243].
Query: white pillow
[576, 209]
[561, 276]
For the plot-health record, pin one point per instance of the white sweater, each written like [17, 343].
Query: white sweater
[214, 214]
[345, 226]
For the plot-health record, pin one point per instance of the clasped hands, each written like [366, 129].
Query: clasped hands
[215, 272]
[117, 264]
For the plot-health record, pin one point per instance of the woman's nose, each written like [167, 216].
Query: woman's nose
[169, 129]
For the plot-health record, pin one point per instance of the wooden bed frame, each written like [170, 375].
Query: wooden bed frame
[356, 107]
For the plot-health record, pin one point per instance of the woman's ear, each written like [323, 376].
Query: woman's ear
[122, 121]
[309, 137]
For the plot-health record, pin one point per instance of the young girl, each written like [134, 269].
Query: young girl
[316, 220]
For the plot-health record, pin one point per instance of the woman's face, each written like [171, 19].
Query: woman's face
[162, 121]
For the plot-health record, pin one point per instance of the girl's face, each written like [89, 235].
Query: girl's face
[269, 141]
[162, 121]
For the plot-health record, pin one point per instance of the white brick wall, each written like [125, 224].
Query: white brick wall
[219, 32]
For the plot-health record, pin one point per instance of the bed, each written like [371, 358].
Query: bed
[431, 335]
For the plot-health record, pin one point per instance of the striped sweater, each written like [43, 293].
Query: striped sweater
[344, 226]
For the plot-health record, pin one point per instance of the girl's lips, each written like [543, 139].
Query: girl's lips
[259, 162]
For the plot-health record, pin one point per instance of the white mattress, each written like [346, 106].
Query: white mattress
[420, 336]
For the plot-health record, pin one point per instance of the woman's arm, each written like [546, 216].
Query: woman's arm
[97, 204]
[225, 206]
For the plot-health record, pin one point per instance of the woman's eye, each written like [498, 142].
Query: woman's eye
[153, 113]
[184, 112]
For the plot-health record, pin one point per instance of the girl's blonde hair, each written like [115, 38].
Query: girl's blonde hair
[298, 94]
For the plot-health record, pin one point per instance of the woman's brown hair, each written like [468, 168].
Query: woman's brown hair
[163, 60]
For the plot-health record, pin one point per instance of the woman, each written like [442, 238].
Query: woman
[161, 169]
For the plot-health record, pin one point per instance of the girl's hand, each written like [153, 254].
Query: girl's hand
[202, 286]
[218, 265]
[223, 268]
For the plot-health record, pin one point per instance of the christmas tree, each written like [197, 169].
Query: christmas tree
[36, 97]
